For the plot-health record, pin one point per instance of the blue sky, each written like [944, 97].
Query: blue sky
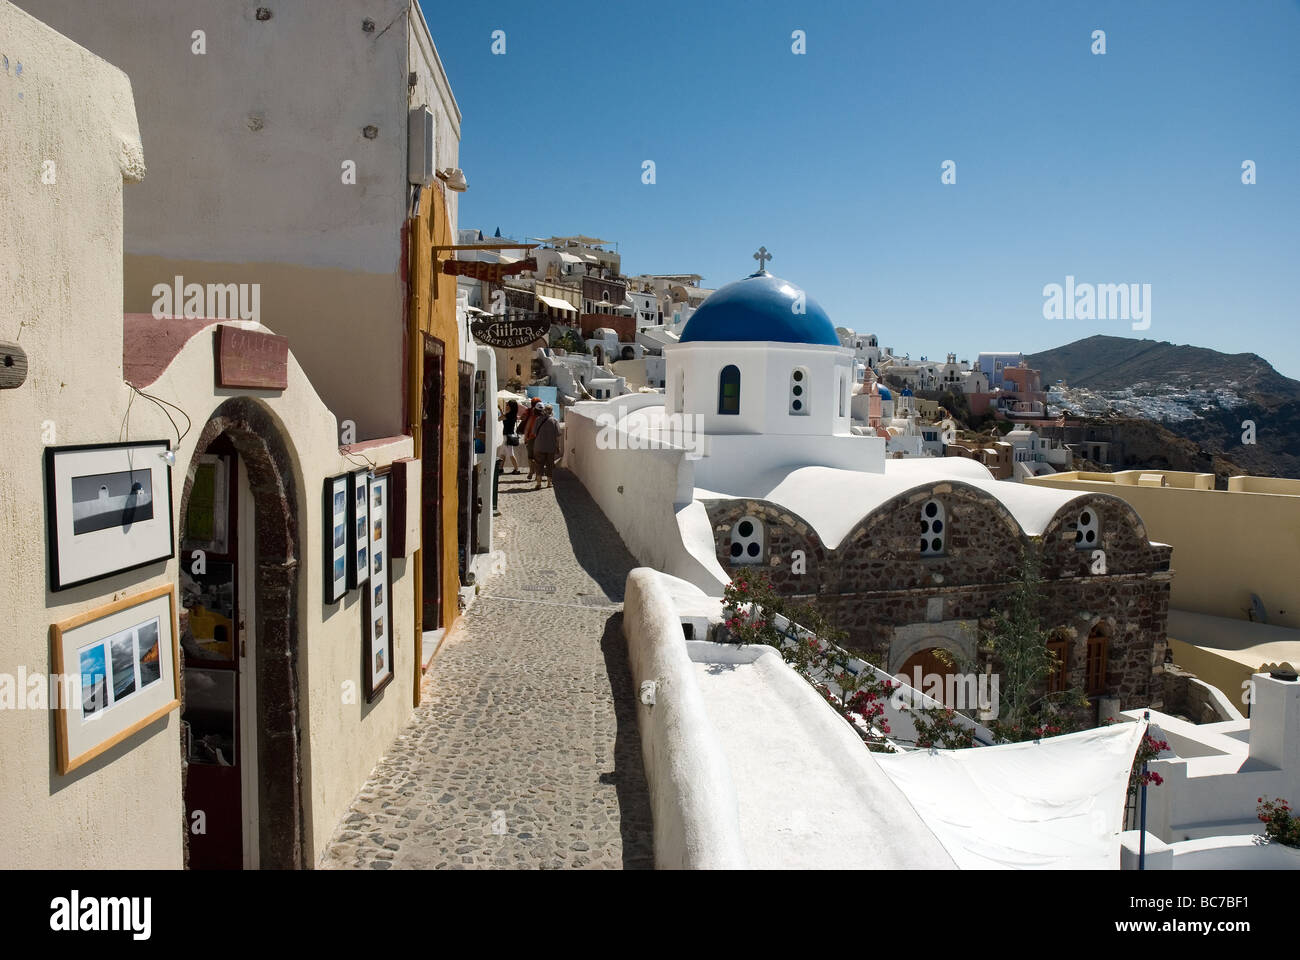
[1120, 168]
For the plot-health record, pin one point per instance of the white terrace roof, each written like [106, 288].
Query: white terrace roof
[834, 500]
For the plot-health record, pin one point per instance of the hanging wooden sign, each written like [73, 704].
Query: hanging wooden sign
[505, 332]
[491, 272]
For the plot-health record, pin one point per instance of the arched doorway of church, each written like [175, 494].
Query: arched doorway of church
[239, 548]
[599, 355]
[928, 671]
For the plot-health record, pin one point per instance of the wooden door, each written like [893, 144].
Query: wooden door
[930, 665]
[433, 404]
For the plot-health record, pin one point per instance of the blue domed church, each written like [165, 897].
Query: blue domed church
[759, 364]
[907, 555]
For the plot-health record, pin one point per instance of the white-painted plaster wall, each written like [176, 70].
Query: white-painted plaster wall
[1214, 772]
[765, 370]
[125, 809]
[61, 275]
[227, 203]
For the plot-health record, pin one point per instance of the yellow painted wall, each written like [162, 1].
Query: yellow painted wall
[1227, 544]
[436, 293]
[344, 327]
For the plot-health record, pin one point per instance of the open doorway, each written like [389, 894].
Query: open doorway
[239, 646]
[219, 735]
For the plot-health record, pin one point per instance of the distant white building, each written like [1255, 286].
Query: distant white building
[1035, 456]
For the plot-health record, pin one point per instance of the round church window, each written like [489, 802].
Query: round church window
[747, 541]
[1087, 530]
[932, 536]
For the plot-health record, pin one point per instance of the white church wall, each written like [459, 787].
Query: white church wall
[694, 377]
[729, 460]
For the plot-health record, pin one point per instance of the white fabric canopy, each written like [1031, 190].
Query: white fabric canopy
[557, 303]
[1054, 804]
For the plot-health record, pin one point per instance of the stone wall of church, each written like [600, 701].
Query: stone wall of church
[876, 580]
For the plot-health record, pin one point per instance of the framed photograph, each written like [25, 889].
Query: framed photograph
[108, 508]
[117, 671]
[358, 561]
[376, 611]
[336, 537]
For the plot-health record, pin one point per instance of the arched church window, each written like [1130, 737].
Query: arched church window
[1088, 530]
[799, 392]
[1058, 679]
[1098, 651]
[747, 541]
[729, 390]
[934, 528]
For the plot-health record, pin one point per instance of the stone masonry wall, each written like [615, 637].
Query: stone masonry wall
[876, 579]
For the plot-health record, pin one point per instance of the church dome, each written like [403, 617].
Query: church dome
[760, 308]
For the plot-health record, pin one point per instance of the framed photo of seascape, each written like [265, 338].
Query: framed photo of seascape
[108, 508]
[359, 529]
[336, 516]
[376, 608]
[117, 666]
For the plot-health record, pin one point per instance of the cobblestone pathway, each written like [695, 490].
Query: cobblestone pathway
[524, 751]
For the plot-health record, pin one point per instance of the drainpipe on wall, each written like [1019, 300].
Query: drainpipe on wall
[414, 391]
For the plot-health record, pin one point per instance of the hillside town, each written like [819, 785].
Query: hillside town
[348, 537]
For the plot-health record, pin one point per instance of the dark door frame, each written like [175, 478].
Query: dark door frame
[280, 715]
[433, 413]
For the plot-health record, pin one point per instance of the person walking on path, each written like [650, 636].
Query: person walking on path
[546, 445]
[531, 420]
[509, 418]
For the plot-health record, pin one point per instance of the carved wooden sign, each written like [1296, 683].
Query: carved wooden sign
[13, 365]
[482, 270]
[503, 332]
[251, 360]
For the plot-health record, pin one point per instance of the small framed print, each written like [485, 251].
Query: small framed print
[376, 611]
[336, 537]
[117, 673]
[359, 560]
[108, 508]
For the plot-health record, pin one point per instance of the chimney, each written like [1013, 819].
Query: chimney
[1275, 723]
